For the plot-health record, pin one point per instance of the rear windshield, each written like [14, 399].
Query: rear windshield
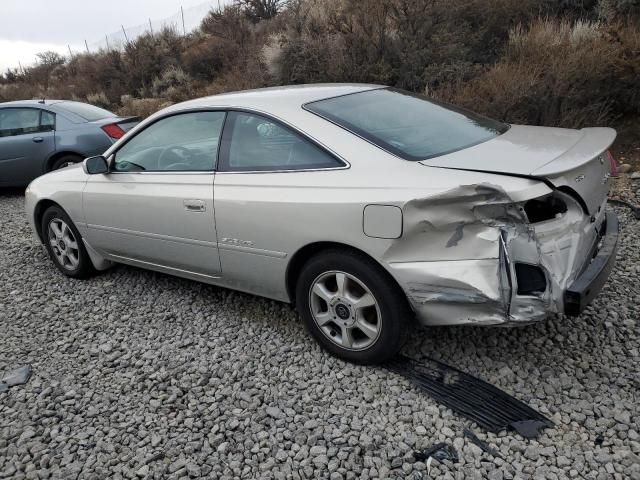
[90, 113]
[407, 125]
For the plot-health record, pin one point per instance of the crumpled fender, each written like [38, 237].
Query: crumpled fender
[467, 240]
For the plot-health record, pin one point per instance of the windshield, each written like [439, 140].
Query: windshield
[90, 113]
[407, 125]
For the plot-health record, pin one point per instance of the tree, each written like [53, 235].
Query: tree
[258, 10]
[50, 59]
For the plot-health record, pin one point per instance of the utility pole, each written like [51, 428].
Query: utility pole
[21, 69]
[106, 39]
[184, 30]
[125, 34]
[70, 54]
[150, 27]
[86, 45]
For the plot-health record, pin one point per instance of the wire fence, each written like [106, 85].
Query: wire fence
[184, 21]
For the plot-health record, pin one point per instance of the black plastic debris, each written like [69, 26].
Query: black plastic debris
[484, 446]
[19, 376]
[439, 451]
[488, 406]
[528, 428]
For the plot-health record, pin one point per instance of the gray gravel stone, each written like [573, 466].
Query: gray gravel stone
[138, 374]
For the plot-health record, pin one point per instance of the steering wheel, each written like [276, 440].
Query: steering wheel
[179, 151]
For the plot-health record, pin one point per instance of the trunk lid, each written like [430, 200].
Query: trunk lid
[574, 159]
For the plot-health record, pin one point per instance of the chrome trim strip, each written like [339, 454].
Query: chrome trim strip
[252, 250]
[346, 167]
[156, 236]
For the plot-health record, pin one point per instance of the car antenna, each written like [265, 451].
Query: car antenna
[41, 101]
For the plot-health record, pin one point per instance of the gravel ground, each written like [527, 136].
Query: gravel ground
[141, 375]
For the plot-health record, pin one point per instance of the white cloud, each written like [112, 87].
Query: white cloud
[29, 27]
[16, 52]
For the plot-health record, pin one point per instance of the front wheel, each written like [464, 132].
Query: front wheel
[352, 307]
[64, 244]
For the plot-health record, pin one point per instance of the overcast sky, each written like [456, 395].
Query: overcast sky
[31, 26]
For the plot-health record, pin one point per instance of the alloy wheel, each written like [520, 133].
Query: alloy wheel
[345, 310]
[64, 244]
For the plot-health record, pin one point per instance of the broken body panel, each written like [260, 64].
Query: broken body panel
[472, 237]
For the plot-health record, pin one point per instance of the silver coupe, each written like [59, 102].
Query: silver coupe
[365, 206]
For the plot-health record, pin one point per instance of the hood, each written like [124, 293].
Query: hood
[71, 173]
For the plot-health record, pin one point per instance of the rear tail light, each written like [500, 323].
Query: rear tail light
[113, 130]
[614, 165]
[544, 208]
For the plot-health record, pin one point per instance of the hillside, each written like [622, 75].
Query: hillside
[567, 63]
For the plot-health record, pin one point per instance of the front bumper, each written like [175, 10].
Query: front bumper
[593, 277]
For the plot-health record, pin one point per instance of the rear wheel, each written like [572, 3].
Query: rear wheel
[352, 307]
[64, 244]
[65, 161]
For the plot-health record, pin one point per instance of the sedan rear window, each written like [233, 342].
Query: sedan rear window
[410, 126]
[90, 113]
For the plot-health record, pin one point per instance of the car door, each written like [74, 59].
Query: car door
[266, 188]
[26, 140]
[155, 206]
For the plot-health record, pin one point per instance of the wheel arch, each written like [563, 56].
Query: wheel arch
[56, 155]
[302, 255]
[38, 212]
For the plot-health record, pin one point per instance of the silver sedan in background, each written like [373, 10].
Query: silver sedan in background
[365, 206]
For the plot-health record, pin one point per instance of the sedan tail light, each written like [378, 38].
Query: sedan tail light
[113, 130]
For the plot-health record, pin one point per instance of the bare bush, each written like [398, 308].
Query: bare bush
[174, 84]
[141, 107]
[552, 73]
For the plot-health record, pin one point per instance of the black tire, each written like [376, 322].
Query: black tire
[392, 306]
[64, 161]
[84, 267]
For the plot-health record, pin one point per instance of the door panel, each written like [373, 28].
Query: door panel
[149, 217]
[24, 145]
[156, 204]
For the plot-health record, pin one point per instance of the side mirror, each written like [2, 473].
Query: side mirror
[95, 165]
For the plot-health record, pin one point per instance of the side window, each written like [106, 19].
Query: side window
[183, 142]
[19, 121]
[47, 121]
[256, 143]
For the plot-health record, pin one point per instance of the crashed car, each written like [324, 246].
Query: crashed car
[365, 206]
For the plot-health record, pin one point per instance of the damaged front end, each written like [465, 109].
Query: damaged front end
[487, 257]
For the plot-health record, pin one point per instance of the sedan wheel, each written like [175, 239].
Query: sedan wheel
[65, 161]
[64, 244]
[345, 310]
[352, 306]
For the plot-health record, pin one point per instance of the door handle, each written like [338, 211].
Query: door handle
[37, 139]
[195, 205]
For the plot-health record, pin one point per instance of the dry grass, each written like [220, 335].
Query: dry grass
[552, 73]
